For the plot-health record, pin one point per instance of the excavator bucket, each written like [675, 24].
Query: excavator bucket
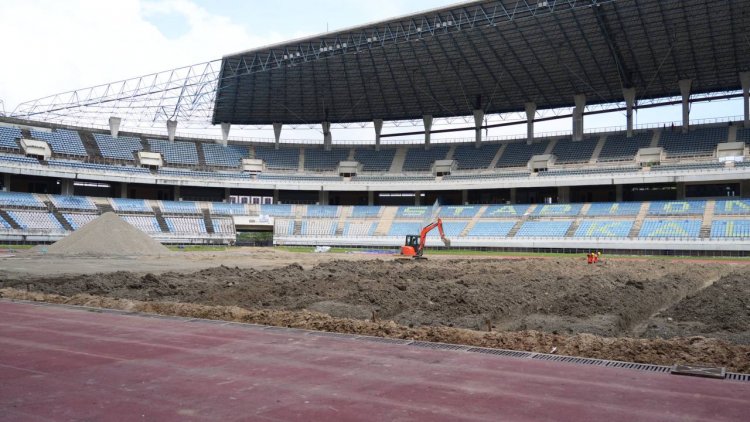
[446, 241]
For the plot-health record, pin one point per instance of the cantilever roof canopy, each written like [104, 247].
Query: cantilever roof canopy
[490, 55]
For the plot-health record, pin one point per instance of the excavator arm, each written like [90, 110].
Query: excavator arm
[428, 228]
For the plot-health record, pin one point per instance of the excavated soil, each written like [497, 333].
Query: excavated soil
[621, 309]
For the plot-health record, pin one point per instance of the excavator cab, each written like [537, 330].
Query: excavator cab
[411, 246]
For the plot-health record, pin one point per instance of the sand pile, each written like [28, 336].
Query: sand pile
[108, 235]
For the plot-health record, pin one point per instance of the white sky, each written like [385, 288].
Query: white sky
[54, 46]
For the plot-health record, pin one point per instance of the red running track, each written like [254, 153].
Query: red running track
[59, 363]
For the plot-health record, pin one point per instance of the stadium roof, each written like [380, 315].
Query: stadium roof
[489, 55]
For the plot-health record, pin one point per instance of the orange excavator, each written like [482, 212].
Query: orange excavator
[414, 245]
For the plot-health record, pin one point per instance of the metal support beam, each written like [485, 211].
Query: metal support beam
[327, 138]
[114, 125]
[427, 119]
[685, 85]
[370, 198]
[478, 119]
[580, 101]
[6, 182]
[66, 187]
[378, 124]
[171, 129]
[225, 133]
[745, 81]
[530, 114]
[629, 94]
[277, 134]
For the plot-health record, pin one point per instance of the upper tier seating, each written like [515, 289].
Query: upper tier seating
[224, 156]
[62, 141]
[615, 208]
[372, 160]
[677, 208]
[193, 174]
[491, 228]
[688, 166]
[120, 148]
[469, 156]
[500, 211]
[485, 176]
[277, 210]
[730, 228]
[700, 141]
[419, 159]
[604, 228]
[556, 228]
[360, 228]
[298, 178]
[36, 220]
[98, 167]
[9, 137]
[17, 159]
[518, 154]
[179, 207]
[618, 147]
[568, 151]
[79, 220]
[130, 205]
[319, 227]
[463, 211]
[322, 211]
[222, 208]
[732, 207]
[286, 158]
[144, 223]
[186, 224]
[366, 211]
[670, 228]
[83, 203]
[175, 152]
[743, 135]
[318, 159]
[585, 171]
[393, 178]
[223, 225]
[557, 209]
[20, 199]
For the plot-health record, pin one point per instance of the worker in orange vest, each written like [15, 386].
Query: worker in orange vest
[590, 257]
[595, 256]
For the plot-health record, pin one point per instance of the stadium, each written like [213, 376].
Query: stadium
[145, 201]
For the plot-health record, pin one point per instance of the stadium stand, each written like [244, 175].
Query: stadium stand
[568, 151]
[413, 212]
[284, 158]
[193, 174]
[16, 159]
[222, 208]
[372, 160]
[120, 148]
[518, 154]
[36, 220]
[179, 207]
[670, 228]
[224, 156]
[98, 167]
[465, 211]
[556, 228]
[698, 142]
[77, 221]
[588, 171]
[730, 228]
[732, 207]
[470, 157]
[401, 228]
[175, 152]
[618, 147]
[9, 138]
[486, 176]
[144, 223]
[81, 203]
[604, 228]
[130, 205]
[186, 224]
[359, 229]
[277, 210]
[547, 210]
[297, 178]
[62, 141]
[319, 227]
[676, 207]
[4, 224]
[283, 227]
[743, 135]
[419, 159]
[499, 211]
[491, 228]
[322, 211]
[393, 178]
[318, 159]
[364, 211]
[223, 225]
[688, 166]
[20, 199]
[614, 208]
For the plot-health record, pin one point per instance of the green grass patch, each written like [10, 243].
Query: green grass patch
[16, 246]
[198, 248]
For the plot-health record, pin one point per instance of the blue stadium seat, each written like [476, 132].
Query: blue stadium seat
[468, 156]
[223, 208]
[732, 207]
[676, 207]
[286, 158]
[498, 211]
[186, 225]
[20, 199]
[194, 174]
[120, 148]
[319, 227]
[330, 211]
[318, 159]
[604, 228]
[419, 159]
[400, 228]
[99, 167]
[9, 138]
[18, 159]
[130, 205]
[4, 224]
[730, 228]
[82, 203]
[556, 228]
[518, 154]
[743, 135]
[224, 156]
[452, 229]
[363, 211]
[698, 142]
[491, 228]
[456, 211]
[277, 210]
[372, 160]
[557, 209]
[77, 221]
[175, 152]
[36, 220]
[62, 141]
[670, 228]
[179, 207]
[568, 151]
[366, 228]
[406, 211]
[618, 147]
[298, 177]
[614, 208]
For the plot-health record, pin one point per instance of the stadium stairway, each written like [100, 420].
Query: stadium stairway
[104, 207]
[496, 158]
[655, 139]
[470, 225]
[732, 133]
[89, 143]
[398, 161]
[708, 218]
[343, 216]
[577, 222]
[523, 219]
[160, 219]
[201, 158]
[301, 163]
[598, 149]
[12, 222]
[299, 213]
[208, 221]
[636, 229]
[58, 216]
[386, 219]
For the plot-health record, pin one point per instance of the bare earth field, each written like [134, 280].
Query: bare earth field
[656, 311]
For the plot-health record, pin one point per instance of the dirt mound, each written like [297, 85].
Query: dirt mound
[108, 235]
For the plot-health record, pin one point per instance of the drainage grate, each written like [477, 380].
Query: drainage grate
[285, 329]
[330, 334]
[441, 346]
[384, 340]
[501, 352]
[637, 366]
[733, 376]
[570, 359]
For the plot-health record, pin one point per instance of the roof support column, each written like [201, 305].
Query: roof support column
[171, 129]
[277, 134]
[580, 101]
[530, 114]
[685, 85]
[629, 94]
[114, 125]
[225, 133]
[745, 81]
[478, 118]
[327, 138]
[427, 119]
[378, 123]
